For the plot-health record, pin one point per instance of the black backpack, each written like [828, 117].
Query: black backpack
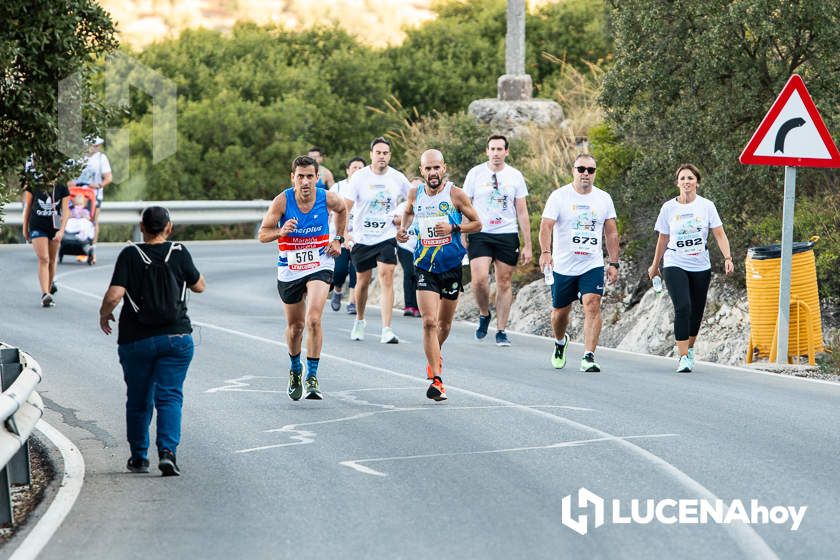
[161, 299]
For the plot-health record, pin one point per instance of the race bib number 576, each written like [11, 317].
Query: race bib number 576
[304, 259]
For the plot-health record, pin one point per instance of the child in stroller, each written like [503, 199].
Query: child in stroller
[80, 230]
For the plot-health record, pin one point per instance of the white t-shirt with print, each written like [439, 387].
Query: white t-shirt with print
[494, 201]
[96, 166]
[375, 197]
[578, 240]
[687, 227]
[341, 188]
[411, 244]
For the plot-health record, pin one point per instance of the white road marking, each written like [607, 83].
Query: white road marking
[71, 484]
[357, 464]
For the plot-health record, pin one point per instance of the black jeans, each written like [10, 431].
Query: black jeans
[343, 267]
[409, 277]
[688, 292]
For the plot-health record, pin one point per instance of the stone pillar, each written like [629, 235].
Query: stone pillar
[515, 84]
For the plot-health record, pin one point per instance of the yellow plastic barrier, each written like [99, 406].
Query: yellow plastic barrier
[763, 267]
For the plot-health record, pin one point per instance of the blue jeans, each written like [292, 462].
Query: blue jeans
[154, 370]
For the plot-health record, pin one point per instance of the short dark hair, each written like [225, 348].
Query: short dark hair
[498, 137]
[688, 166]
[155, 219]
[583, 155]
[379, 140]
[357, 158]
[318, 149]
[304, 161]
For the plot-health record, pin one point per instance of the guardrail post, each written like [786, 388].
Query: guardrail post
[7, 514]
[18, 468]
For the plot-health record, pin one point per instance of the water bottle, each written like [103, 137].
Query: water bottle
[657, 284]
[549, 275]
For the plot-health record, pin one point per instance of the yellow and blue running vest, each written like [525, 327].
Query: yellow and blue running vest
[435, 253]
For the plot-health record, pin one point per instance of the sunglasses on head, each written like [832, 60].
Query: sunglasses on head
[581, 169]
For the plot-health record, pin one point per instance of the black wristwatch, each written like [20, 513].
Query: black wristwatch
[616, 264]
[339, 238]
[455, 229]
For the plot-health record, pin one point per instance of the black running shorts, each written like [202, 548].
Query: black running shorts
[293, 291]
[503, 247]
[365, 257]
[448, 284]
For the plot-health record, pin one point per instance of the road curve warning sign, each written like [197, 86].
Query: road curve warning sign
[792, 133]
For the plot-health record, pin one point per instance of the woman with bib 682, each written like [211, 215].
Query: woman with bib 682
[683, 225]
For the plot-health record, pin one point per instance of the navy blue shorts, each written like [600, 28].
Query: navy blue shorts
[567, 289]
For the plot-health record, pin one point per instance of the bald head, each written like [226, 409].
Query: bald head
[432, 168]
[431, 155]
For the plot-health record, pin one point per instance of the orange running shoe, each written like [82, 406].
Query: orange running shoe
[436, 391]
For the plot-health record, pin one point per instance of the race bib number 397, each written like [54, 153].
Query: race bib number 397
[373, 226]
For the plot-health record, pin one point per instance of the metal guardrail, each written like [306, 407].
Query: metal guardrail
[20, 409]
[193, 212]
[182, 212]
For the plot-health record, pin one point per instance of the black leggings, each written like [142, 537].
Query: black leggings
[409, 277]
[343, 266]
[688, 292]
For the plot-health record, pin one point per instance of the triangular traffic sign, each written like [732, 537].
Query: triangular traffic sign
[792, 133]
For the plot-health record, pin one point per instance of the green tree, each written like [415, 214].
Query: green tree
[691, 81]
[41, 42]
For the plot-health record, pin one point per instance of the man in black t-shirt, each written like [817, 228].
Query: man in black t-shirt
[154, 357]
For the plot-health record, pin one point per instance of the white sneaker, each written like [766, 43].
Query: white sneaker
[684, 365]
[388, 336]
[358, 332]
[691, 358]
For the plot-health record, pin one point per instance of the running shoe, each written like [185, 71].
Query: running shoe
[436, 391]
[388, 336]
[312, 390]
[408, 312]
[167, 464]
[684, 365]
[358, 332]
[691, 358]
[335, 301]
[415, 312]
[502, 339]
[588, 363]
[558, 359]
[351, 308]
[483, 325]
[47, 301]
[81, 258]
[137, 465]
[295, 389]
[53, 288]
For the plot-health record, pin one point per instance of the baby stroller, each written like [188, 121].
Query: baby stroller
[80, 229]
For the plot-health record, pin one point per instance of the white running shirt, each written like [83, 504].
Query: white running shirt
[494, 201]
[341, 188]
[411, 244]
[577, 243]
[687, 227]
[375, 197]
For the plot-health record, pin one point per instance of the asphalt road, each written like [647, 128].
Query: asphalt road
[378, 471]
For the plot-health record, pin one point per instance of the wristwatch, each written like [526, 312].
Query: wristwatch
[339, 238]
[616, 264]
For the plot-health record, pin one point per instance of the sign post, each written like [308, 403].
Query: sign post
[794, 135]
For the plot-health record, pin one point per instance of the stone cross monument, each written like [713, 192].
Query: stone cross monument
[515, 84]
[514, 108]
